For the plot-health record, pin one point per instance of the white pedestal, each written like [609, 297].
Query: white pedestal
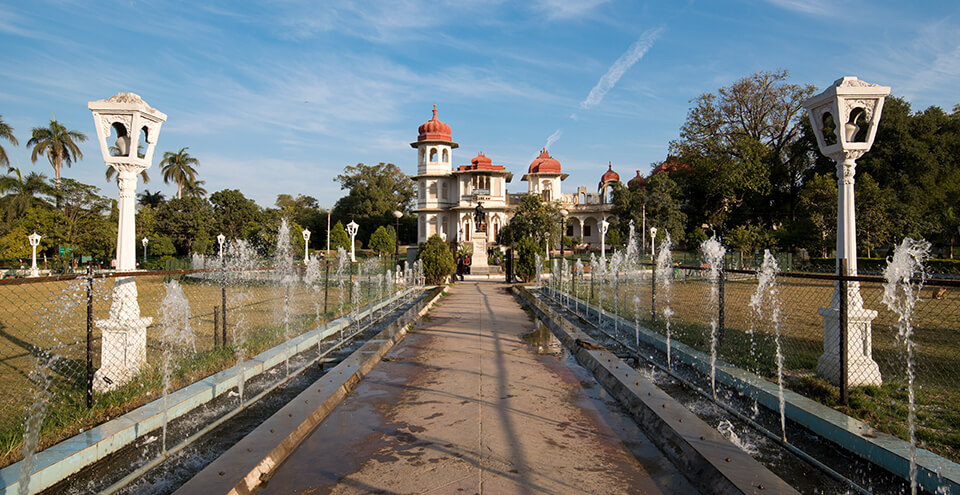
[123, 346]
[861, 368]
[479, 257]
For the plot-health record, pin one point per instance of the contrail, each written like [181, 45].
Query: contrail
[630, 57]
[553, 138]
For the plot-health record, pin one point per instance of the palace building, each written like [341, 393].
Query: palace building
[447, 196]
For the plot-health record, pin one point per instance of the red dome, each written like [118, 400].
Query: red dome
[481, 161]
[544, 164]
[434, 130]
[610, 175]
[639, 180]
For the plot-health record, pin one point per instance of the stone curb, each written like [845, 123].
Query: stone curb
[253, 459]
[707, 459]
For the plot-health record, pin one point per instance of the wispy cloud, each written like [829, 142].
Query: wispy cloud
[566, 9]
[812, 7]
[636, 51]
[553, 138]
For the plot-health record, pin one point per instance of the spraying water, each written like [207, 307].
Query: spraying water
[177, 337]
[538, 267]
[713, 253]
[578, 274]
[767, 299]
[311, 278]
[284, 260]
[240, 261]
[664, 258]
[901, 293]
[341, 263]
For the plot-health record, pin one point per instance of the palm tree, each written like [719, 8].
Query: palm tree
[22, 192]
[177, 167]
[153, 199]
[60, 146]
[194, 189]
[6, 132]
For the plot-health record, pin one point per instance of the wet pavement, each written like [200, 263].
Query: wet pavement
[476, 399]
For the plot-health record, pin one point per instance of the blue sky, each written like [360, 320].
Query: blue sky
[277, 97]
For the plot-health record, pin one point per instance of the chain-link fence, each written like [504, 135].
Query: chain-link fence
[808, 311]
[90, 346]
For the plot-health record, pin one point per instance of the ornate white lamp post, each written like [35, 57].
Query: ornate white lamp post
[604, 225]
[396, 249]
[144, 241]
[127, 116]
[306, 244]
[852, 107]
[34, 239]
[220, 240]
[352, 231]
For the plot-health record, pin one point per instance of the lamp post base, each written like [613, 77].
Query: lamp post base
[123, 346]
[861, 368]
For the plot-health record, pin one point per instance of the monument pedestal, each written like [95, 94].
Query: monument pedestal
[123, 344]
[861, 368]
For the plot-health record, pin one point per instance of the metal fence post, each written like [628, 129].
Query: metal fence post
[653, 292]
[216, 326]
[90, 369]
[843, 317]
[721, 276]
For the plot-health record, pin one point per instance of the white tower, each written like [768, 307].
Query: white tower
[436, 188]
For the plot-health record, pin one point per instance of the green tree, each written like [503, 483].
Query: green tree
[21, 193]
[236, 216]
[304, 210]
[818, 209]
[375, 192]
[194, 189]
[188, 222]
[179, 168]
[437, 260]
[381, 241]
[533, 218]
[6, 132]
[873, 229]
[147, 198]
[664, 209]
[339, 237]
[740, 145]
[59, 145]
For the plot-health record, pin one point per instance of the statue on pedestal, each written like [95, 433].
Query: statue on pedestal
[479, 217]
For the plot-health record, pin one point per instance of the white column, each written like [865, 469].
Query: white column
[861, 368]
[124, 343]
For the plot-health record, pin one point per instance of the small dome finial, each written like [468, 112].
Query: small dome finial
[434, 111]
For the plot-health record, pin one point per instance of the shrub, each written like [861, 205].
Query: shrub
[527, 250]
[437, 260]
[381, 241]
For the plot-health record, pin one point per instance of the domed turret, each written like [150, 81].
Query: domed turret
[544, 164]
[610, 175]
[434, 129]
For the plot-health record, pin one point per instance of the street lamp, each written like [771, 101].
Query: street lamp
[34, 239]
[352, 231]
[124, 332]
[396, 249]
[306, 242]
[604, 225]
[844, 118]
[653, 246]
[220, 240]
[144, 241]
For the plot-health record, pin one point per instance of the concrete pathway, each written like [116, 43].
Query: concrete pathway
[474, 401]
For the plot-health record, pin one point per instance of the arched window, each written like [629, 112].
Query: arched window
[466, 230]
[433, 155]
[546, 195]
[422, 153]
[433, 190]
[583, 198]
[446, 191]
[423, 191]
[446, 157]
[423, 227]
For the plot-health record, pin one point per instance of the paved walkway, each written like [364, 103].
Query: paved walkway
[472, 401]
